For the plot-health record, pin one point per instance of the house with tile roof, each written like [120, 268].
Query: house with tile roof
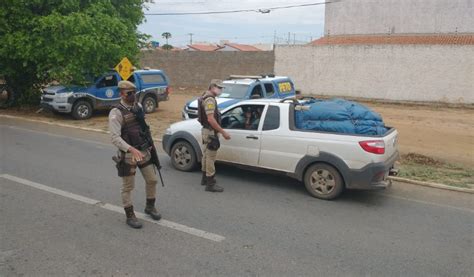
[203, 47]
[237, 47]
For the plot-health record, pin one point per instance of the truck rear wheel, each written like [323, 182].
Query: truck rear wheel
[323, 181]
[82, 110]
[149, 104]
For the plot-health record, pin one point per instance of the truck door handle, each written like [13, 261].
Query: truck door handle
[252, 137]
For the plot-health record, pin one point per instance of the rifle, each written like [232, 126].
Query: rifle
[146, 134]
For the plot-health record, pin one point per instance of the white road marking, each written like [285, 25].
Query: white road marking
[59, 136]
[114, 208]
[428, 203]
[62, 125]
[53, 123]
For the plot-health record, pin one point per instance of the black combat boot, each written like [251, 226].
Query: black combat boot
[203, 179]
[211, 185]
[151, 210]
[132, 220]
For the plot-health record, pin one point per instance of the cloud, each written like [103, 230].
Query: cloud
[250, 27]
[304, 15]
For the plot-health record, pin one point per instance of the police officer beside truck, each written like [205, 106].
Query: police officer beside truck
[210, 119]
[125, 125]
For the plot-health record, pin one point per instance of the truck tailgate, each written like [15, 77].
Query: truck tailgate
[391, 144]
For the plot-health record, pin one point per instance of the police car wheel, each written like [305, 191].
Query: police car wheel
[149, 104]
[323, 181]
[183, 156]
[82, 110]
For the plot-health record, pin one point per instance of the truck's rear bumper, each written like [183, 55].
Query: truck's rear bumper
[372, 176]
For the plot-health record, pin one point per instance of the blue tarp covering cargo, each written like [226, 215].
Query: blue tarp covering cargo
[339, 116]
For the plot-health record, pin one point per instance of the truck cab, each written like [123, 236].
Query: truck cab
[238, 88]
[80, 101]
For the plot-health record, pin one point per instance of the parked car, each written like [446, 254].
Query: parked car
[152, 87]
[326, 162]
[238, 88]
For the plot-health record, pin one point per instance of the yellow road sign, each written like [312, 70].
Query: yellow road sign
[124, 68]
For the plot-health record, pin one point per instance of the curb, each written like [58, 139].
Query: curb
[432, 185]
[398, 179]
[62, 125]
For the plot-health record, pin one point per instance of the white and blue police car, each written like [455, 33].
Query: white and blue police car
[238, 88]
[80, 101]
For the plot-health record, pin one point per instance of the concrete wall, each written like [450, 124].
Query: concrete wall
[438, 73]
[399, 17]
[194, 68]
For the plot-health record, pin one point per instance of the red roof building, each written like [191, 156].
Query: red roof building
[237, 47]
[396, 39]
[203, 47]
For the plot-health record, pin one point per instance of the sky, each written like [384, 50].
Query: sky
[302, 23]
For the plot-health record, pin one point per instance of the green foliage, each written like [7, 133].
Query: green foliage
[65, 40]
[442, 173]
[167, 47]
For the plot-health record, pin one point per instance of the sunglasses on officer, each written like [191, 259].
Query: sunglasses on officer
[130, 92]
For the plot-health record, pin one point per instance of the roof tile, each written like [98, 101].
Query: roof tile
[397, 39]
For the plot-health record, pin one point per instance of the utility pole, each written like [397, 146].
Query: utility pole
[294, 38]
[289, 39]
[190, 38]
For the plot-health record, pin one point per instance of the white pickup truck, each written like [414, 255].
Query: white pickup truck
[327, 163]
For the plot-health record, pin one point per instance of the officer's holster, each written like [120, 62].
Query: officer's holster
[123, 169]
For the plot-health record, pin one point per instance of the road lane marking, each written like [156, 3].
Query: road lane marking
[59, 136]
[62, 125]
[428, 203]
[53, 123]
[114, 208]
[72, 138]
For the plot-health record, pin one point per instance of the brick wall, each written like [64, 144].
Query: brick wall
[196, 69]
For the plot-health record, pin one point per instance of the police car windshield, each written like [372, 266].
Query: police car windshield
[237, 91]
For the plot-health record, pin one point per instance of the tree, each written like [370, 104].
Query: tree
[166, 35]
[167, 47]
[66, 41]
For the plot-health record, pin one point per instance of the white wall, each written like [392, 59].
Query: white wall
[350, 17]
[432, 73]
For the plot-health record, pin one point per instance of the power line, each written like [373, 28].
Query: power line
[263, 10]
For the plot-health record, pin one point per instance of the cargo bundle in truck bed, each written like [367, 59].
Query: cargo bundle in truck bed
[339, 116]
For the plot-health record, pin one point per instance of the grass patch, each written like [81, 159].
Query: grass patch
[422, 168]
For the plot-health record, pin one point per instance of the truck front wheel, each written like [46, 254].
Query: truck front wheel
[323, 181]
[183, 156]
[82, 110]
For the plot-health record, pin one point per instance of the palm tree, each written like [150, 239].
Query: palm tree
[166, 35]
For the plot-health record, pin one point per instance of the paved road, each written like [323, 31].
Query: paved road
[271, 226]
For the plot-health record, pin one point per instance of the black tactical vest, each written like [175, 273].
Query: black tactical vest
[202, 117]
[131, 128]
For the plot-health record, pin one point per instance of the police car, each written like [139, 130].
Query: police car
[239, 88]
[152, 87]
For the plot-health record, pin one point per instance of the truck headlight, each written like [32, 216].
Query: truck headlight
[62, 97]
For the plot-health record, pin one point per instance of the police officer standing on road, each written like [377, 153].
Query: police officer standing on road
[134, 152]
[210, 119]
